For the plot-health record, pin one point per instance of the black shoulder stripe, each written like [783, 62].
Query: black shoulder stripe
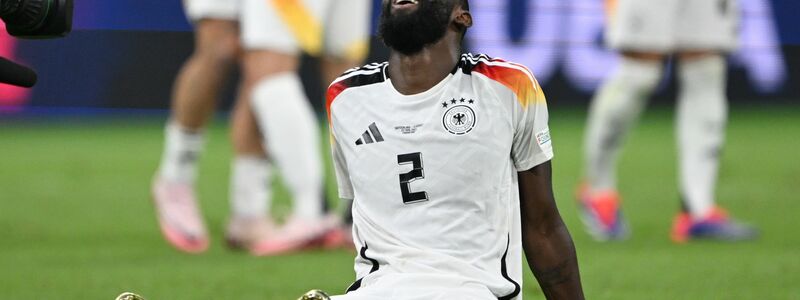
[364, 79]
[469, 61]
[370, 74]
[371, 66]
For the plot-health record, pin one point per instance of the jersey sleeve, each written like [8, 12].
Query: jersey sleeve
[343, 182]
[344, 185]
[531, 146]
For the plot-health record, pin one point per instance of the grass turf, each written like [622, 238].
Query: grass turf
[76, 220]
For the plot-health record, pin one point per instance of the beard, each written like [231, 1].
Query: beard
[410, 32]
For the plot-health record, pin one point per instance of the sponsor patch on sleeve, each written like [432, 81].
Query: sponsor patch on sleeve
[543, 138]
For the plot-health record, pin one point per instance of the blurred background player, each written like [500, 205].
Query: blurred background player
[271, 115]
[340, 29]
[696, 33]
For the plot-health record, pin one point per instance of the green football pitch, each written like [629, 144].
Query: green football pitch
[76, 221]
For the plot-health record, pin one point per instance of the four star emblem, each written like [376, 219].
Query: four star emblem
[445, 104]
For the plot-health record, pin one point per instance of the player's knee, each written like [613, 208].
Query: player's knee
[283, 87]
[703, 83]
[224, 53]
[707, 69]
[217, 42]
[643, 56]
[261, 65]
[689, 55]
[641, 75]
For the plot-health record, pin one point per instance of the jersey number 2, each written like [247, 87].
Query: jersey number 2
[417, 172]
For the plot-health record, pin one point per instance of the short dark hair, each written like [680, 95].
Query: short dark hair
[464, 4]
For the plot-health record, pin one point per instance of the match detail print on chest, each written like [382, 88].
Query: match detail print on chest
[453, 115]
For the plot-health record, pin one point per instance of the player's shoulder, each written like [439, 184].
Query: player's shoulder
[357, 77]
[496, 69]
[510, 75]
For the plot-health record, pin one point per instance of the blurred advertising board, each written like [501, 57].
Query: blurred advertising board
[125, 53]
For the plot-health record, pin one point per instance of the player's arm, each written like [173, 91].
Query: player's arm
[545, 239]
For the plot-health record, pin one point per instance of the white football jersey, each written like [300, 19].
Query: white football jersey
[433, 176]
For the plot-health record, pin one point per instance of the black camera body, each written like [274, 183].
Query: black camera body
[37, 18]
[32, 19]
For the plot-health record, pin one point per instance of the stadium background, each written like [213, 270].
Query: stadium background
[125, 53]
[77, 152]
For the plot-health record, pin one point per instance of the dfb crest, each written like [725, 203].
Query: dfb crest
[459, 118]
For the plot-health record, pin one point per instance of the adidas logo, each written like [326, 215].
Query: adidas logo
[372, 135]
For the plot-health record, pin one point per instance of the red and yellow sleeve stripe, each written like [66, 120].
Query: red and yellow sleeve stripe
[515, 77]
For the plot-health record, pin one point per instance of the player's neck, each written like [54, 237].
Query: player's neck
[414, 74]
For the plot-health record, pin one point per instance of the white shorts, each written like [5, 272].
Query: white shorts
[212, 9]
[335, 27]
[419, 287]
[666, 26]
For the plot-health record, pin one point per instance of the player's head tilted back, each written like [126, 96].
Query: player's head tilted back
[409, 26]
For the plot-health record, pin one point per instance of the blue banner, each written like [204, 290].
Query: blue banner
[167, 15]
[125, 53]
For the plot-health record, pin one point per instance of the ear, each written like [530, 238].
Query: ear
[463, 18]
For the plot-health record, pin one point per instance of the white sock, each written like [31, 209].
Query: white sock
[182, 149]
[291, 134]
[613, 112]
[251, 186]
[701, 118]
